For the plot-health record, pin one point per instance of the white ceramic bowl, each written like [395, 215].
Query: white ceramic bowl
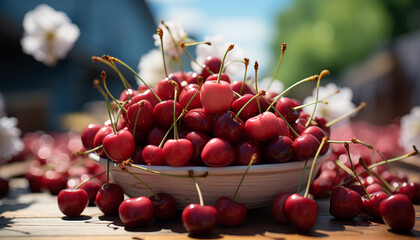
[260, 186]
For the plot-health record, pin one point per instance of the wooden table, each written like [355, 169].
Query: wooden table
[25, 215]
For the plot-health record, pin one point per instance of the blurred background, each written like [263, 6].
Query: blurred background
[372, 47]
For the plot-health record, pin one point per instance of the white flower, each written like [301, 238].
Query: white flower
[338, 103]
[10, 141]
[48, 34]
[218, 49]
[276, 86]
[171, 46]
[410, 129]
[151, 68]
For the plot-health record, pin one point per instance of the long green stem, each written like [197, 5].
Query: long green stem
[324, 140]
[200, 196]
[246, 62]
[254, 156]
[301, 177]
[321, 75]
[256, 85]
[140, 180]
[283, 49]
[231, 46]
[93, 177]
[346, 145]
[361, 106]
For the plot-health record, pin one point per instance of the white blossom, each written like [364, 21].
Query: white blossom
[410, 129]
[48, 34]
[338, 103]
[218, 49]
[10, 141]
[151, 68]
[171, 46]
[276, 86]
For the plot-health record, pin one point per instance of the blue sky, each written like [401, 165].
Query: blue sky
[248, 24]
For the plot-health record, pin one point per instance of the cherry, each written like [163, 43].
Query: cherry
[4, 186]
[153, 155]
[109, 198]
[119, 146]
[279, 150]
[277, 207]
[127, 94]
[88, 135]
[211, 63]
[302, 212]
[371, 206]
[319, 134]
[146, 95]
[136, 212]
[345, 203]
[249, 111]
[54, 181]
[323, 184]
[91, 188]
[155, 135]
[244, 150]
[262, 127]
[140, 115]
[246, 89]
[226, 126]
[374, 187]
[305, 146]
[406, 189]
[72, 202]
[223, 77]
[229, 212]
[99, 137]
[198, 140]
[218, 152]
[198, 120]
[164, 207]
[416, 192]
[35, 178]
[164, 111]
[397, 211]
[199, 219]
[137, 158]
[186, 94]
[285, 106]
[165, 90]
[177, 152]
[284, 130]
[218, 104]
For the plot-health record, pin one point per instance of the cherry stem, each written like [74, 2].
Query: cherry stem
[176, 49]
[170, 129]
[321, 75]
[105, 59]
[353, 170]
[256, 85]
[386, 185]
[137, 75]
[200, 196]
[283, 49]
[124, 168]
[324, 140]
[123, 79]
[249, 101]
[182, 44]
[80, 153]
[93, 177]
[160, 33]
[196, 43]
[107, 173]
[141, 105]
[303, 175]
[353, 140]
[308, 79]
[103, 77]
[308, 104]
[330, 95]
[200, 84]
[361, 106]
[254, 156]
[175, 85]
[231, 46]
[246, 62]
[281, 116]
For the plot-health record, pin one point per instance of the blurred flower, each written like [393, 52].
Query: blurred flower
[10, 141]
[410, 129]
[151, 68]
[339, 103]
[218, 49]
[277, 86]
[48, 34]
[178, 35]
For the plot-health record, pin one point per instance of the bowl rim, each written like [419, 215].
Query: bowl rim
[234, 169]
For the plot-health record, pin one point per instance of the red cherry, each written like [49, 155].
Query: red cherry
[136, 212]
[406, 189]
[185, 97]
[91, 189]
[244, 150]
[225, 126]
[279, 150]
[322, 185]
[120, 146]
[54, 181]
[223, 77]
[277, 207]
[198, 120]
[127, 94]
[246, 89]
[285, 106]
[137, 158]
[146, 95]
[108, 199]
[164, 208]
[165, 90]
[210, 102]
[218, 152]
[198, 140]
[142, 120]
[155, 135]
[302, 212]
[199, 220]
[397, 211]
[262, 127]
[305, 146]
[284, 130]
[371, 206]
[416, 192]
[374, 187]
[72, 202]
[249, 111]
[153, 155]
[99, 137]
[345, 203]
[177, 152]
[319, 134]
[211, 63]
[88, 135]
[164, 113]
[35, 177]
[229, 212]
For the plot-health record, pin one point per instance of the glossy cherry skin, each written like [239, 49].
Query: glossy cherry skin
[198, 140]
[72, 202]
[229, 212]
[187, 94]
[374, 187]
[164, 113]
[305, 146]
[345, 203]
[127, 94]
[262, 127]
[177, 152]
[198, 120]
[302, 212]
[91, 189]
[223, 77]
[153, 155]
[165, 90]
[319, 134]
[246, 89]
[145, 95]
[54, 181]
[35, 177]
[285, 106]
[284, 130]
[279, 150]
[216, 97]
[199, 220]
[225, 126]
[277, 207]
[211, 63]
[416, 192]
[108, 199]
[141, 118]
[164, 207]
[406, 189]
[218, 152]
[120, 146]
[322, 185]
[397, 211]
[99, 137]
[88, 135]
[371, 206]
[244, 150]
[250, 110]
[137, 157]
[136, 212]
